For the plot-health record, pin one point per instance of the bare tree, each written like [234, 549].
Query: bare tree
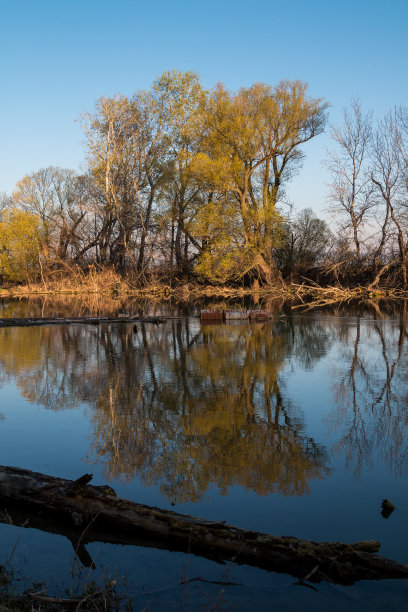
[56, 197]
[351, 190]
[305, 244]
[124, 140]
[5, 202]
[400, 119]
[389, 175]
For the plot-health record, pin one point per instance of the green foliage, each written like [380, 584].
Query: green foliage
[178, 99]
[223, 256]
[20, 245]
[226, 255]
[251, 148]
[223, 262]
[176, 174]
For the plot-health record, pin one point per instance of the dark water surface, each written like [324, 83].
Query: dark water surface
[295, 426]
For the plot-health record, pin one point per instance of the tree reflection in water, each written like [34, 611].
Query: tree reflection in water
[371, 392]
[182, 406]
[188, 410]
[185, 406]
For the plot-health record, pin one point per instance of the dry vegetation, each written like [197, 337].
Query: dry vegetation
[100, 290]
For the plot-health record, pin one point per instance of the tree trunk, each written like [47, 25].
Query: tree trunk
[145, 229]
[86, 513]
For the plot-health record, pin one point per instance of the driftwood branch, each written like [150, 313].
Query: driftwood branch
[32, 321]
[85, 513]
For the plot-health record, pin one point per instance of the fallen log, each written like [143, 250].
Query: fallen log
[31, 321]
[86, 513]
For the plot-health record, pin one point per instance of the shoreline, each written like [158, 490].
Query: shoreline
[302, 295]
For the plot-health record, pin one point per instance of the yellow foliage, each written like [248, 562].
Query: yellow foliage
[20, 245]
[250, 148]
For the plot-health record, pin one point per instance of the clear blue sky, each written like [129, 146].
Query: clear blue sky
[58, 57]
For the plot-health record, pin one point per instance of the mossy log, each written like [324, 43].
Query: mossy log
[32, 321]
[86, 513]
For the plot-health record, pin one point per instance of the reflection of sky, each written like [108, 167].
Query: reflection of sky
[47, 441]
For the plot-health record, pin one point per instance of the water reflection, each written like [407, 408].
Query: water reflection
[371, 393]
[182, 406]
[185, 409]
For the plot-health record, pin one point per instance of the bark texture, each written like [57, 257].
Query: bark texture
[86, 513]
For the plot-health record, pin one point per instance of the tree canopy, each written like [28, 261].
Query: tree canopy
[185, 182]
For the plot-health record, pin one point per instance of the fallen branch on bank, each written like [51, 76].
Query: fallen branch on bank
[315, 296]
[86, 513]
[32, 321]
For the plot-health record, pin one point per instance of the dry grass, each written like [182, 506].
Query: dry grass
[105, 282]
[315, 296]
[75, 281]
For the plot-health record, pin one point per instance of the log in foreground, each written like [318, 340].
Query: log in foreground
[86, 513]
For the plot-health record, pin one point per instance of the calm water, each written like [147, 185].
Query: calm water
[297, 426]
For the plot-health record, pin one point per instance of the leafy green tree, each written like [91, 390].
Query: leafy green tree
[20, 245]
[178, 98]
[250, 150]
[222, 255]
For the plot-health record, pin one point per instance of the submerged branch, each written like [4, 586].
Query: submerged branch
[32, 321]
[319, 297]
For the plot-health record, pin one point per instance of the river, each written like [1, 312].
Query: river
[294, 426]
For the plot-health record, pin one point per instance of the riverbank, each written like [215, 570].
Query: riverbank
[300, 295]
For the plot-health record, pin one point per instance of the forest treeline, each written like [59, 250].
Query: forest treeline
[185, 183]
